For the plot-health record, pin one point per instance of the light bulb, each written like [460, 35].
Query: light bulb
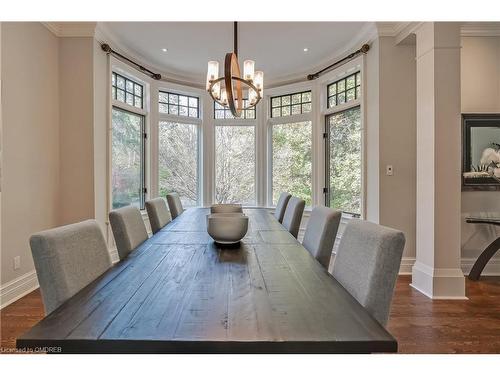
[252, 96]
[224, 97]
[216, 90]
[259, 81]
[248, 69]
[212, 72]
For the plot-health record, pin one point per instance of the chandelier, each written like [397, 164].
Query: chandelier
[230, 91]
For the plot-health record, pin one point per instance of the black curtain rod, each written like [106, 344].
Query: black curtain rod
[363, 50]
[106, 48]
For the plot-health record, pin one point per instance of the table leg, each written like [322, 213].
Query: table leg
[483, 259]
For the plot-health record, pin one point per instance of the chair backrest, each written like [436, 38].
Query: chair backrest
[174, 205]
[226, 208]
[279, 212]
[367, 265]
[293, 215]
[67, 259]
[128, 228]
[158, 213]
[321, 232]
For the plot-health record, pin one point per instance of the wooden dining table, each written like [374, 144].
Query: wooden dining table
[179, 292]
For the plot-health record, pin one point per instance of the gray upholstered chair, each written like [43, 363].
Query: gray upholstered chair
[128, 228]
[279, 212]
[158, 214]
[367, 265]
[293, 215]
[321, 232]
[174, 205]
[67, 259]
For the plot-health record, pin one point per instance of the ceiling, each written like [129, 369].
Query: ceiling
[276, 47]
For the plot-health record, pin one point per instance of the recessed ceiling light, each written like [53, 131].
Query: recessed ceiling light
[164, 49]
[306, 49]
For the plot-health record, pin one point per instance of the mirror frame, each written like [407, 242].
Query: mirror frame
[475, 120]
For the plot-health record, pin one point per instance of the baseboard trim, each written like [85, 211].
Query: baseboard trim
[406, 265]
[491, 269]
[17, 288]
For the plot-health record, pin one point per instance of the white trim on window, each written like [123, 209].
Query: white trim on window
[343, 71]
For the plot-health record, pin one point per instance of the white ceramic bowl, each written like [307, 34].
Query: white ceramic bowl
[227, 228]
[226, 208]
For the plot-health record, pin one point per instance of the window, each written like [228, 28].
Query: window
[127, 159]
[293, 104]
[178, 161]
[221, 112]
[344, 90]
[292, 160]
[126, 91]
[179, 105]
[344, 160]
[235, 164]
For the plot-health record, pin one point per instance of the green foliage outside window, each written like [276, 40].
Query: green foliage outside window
[292, 160]
[345, 160]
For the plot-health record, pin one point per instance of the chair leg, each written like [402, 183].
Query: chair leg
[483, 259]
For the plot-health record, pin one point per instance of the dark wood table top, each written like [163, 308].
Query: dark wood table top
[181, 293]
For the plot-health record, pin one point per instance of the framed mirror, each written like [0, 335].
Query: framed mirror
[481, 152]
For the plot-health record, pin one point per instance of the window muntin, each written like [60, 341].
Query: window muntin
[178, 161]
[292, 160]
[344, 160]
[178, 104]
[291, 104]
[126, 90]
[127, 159]
[235, 164]
[221, 112]
[344, 90]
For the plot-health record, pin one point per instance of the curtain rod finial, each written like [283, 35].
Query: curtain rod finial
[106, 48]
[365, 48]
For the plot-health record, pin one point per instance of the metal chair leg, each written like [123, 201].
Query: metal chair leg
[483, 259]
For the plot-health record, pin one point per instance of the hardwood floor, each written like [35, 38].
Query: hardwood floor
[419, 324]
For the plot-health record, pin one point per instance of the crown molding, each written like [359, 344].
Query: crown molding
[480, 29]
[365, 35]
[71, 29]
[390, 28]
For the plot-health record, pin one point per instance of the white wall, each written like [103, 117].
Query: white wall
[30, 117]
[480, 78]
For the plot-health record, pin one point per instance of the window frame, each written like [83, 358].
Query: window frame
[143, 136]
[122, 69]
[168, 117]
[271, 121]
[344, 78]
[117, 73]
[328, 164]
[178, 93]
[235, 122]
[355, 66]
[281, 106]
[226, 110]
